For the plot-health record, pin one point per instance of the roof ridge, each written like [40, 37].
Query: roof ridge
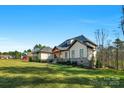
[80, 38]
[77, 36]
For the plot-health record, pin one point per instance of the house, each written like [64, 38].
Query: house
[78, 49]
[43, 54]
[6, 57]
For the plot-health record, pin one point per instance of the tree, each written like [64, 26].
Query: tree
[36, 46]
[118, 44]
[100, 40]
[0, 53]
[122, 20]
[25, 52]
[39, 46]
[29, 50]
[17, 54]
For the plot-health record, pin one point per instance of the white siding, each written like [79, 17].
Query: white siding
[95, 52]
[87, 52]
[76, 47]
[63, 54]
[45, 56]
[90, 53]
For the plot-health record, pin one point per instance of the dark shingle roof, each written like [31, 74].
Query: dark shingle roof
[46, 49]
[80, 38]
[62, 48]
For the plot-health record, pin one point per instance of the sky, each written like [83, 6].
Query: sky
[22, 27]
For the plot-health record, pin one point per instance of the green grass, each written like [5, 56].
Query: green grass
[18, 74]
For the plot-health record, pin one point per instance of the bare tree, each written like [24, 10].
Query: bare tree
[101, 36]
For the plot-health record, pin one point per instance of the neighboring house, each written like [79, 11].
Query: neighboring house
[6, 57]
[42, 54]
[78, 49]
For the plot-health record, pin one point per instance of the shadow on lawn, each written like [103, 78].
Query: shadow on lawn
[74, 70]
[26, 70]
[68, 70]
[12, 82]
[16, 82]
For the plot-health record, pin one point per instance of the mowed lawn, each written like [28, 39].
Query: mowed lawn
[18, 74]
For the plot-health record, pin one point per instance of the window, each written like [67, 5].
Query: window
[81, 53]
[66, 54]
[73, 54]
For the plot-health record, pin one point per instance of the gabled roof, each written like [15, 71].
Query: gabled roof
[46, 49]
[61, 48]
[82, 39]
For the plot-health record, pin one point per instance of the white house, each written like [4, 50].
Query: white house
[78, 49]
[42, 54]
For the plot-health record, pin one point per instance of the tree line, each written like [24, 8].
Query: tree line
[109, 53]
[18, 55]
[13, 54]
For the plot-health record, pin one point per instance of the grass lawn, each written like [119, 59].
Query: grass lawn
[18, 74]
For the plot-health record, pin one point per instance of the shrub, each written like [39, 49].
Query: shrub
[92, 62]
[81, 65]
[74, 63]
[50, 60]
[64, 62]
[36, 59]
[68, 62]
[43, 61]
[30, 59]
[98, 64]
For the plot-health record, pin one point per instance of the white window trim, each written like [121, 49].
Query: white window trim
[81, 53]
[73, 53]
